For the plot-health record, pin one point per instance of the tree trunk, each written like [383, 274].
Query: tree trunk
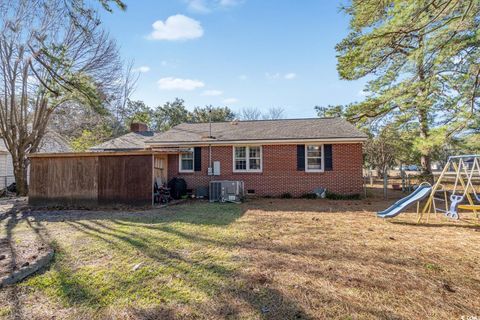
[20, 172]
[425, 158]
[423, 108]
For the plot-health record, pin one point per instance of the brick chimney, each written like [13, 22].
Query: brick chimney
[138, 127]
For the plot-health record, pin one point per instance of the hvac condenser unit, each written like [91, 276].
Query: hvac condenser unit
[226, 191]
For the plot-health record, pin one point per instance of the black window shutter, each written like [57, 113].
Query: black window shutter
[197, 158]
[300, 157]
[327, 150]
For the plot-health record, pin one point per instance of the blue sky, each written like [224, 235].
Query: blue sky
[239, 53]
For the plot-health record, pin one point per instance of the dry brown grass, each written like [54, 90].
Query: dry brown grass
[348, 263]
[277, 259]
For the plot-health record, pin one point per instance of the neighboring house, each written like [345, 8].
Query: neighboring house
[52, 142]
[271, 157]
[134, 140]
[6, 167]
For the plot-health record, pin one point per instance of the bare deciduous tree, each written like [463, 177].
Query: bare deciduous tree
[250, 114]
[126, 88]
[257, 114]
[380, 152]
[274, 113]
[47, 61]
[72, 118]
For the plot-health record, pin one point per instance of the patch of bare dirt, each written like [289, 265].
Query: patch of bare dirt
[19, 254]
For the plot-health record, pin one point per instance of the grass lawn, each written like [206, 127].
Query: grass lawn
[267, 258]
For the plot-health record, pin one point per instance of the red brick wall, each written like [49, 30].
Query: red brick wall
[280, 173]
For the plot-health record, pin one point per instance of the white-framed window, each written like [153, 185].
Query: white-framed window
[314, 159]
[186, 161]
[247, 159]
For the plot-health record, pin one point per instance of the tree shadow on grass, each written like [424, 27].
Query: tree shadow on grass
[14, 216]
[71, 288]
[164, 228]
[229, 284]
[198, 212]
[195, 213]
[251, 289]
[230, 290]
[228, 287]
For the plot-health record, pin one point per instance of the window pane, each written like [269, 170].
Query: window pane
[254, 152]
[187, 164]
[254, 164]
[314, 163]
[240, 165]
[314, 151]
[186, 161]
[187, 155]
[240, 152]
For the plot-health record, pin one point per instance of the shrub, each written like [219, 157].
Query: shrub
[336, 196]
[286, 195]
[309, 196]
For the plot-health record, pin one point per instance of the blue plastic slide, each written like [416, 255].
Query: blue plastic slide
[395, 209]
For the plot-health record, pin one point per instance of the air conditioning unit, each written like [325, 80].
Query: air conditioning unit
[226, 191]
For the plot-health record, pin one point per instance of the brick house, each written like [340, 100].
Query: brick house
[271, 157]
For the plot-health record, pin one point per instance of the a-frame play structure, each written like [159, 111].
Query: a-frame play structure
[464, 195]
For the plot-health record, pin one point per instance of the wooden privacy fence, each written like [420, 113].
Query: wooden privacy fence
[91, 179]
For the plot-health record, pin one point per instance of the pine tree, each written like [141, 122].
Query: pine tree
[423, 62]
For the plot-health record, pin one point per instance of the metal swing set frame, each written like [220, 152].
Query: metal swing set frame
[465, 168]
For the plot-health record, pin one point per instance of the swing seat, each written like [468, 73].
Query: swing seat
[469, 206]
[453, 212]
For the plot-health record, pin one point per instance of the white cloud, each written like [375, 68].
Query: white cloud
[198, 6]
[171, 83]
[207, 6]
[177, 27]
[290, 76]
[272, 76]
[243, 77]
[230, 100]
[229, 3]
[142, 69]
[212, 93]
[278, 75]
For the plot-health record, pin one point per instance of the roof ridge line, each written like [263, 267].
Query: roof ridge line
[261, 120]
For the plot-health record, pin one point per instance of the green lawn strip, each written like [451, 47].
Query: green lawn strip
[185, 257]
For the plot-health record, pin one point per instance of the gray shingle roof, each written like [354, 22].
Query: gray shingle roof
[291, 129]
[129, 141]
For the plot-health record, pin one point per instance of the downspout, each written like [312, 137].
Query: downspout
[210, 164]
[210, 145]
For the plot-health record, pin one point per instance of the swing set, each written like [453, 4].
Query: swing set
[464, 195]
